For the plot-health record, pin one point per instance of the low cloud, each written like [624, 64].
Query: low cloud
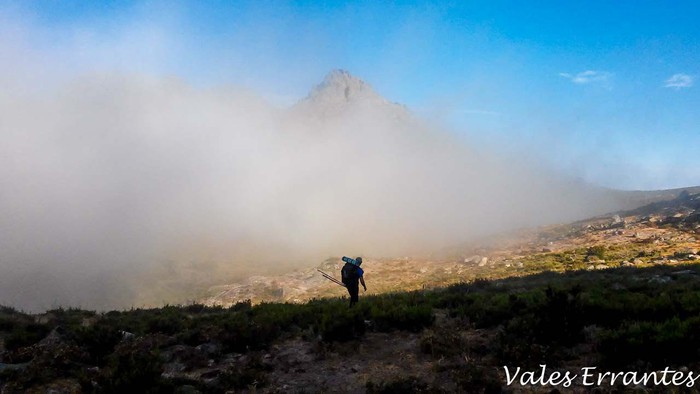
[587, 77]
[122, 188]
[679, 81]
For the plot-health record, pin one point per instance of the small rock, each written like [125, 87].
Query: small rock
[173, 368]
[601, 267]
[55, 337]
[15, 367]
[126, 335]
[683, 272]
[483, 261]
[187, 389]
[638, 261]
[210, 349]
[626, 264]
[472, 260]
[693, 257]
[660, 279]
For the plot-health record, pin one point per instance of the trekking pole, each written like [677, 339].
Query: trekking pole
[332, 279]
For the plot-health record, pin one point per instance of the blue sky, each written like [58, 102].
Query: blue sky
[604, 91]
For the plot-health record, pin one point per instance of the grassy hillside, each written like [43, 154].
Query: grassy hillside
[638, 318]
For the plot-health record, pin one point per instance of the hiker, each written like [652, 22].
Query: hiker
[351, 274]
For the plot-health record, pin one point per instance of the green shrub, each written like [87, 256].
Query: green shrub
[99, 341]
[598, 251]
[406, 385]
[442, 343]
[475, 379]
[135, 367]
[8, 323]
[344, 325]
[253, 374]
[25, 335]
[658, 344]
[402, 317]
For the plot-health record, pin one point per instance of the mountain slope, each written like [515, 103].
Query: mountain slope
[664, 232]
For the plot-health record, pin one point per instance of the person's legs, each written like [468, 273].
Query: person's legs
[354, 290]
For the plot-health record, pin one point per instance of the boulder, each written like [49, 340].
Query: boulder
[660, 279]
[126, 335]
[210, 349]
[683, 272]
[617, 286]
[472, 260]
[55, 337]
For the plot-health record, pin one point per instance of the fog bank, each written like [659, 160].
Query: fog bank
[112, 183]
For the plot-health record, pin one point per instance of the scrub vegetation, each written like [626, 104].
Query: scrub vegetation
[625, 317]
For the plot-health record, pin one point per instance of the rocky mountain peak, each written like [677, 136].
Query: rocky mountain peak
[340, 90]
[340, 85]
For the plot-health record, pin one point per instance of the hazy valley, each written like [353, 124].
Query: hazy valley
[569, 294]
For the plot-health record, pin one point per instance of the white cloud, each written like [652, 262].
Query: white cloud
[678, 81]
[588, 76]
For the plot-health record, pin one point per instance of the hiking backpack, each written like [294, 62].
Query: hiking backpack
[349, 273]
